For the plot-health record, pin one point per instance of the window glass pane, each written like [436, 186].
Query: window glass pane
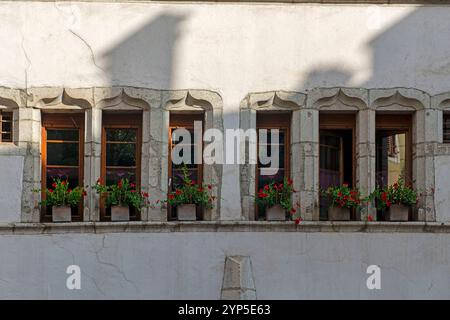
[59, 134]
[62, 154]
[177, 176]
[6, 126]
[62, 173]
[121, 135]
[114, 175]
[6, 137]
[268, 179]
[121, 154]
[391, 158]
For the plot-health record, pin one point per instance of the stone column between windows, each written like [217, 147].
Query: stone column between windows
[158, 161]
[365, 158]
[426, 138]
[29, 137]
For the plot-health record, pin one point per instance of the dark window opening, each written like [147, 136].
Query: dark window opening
[336, 155]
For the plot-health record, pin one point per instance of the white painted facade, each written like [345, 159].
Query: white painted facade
[227, 52]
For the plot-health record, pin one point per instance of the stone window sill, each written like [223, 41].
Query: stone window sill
[223, 226]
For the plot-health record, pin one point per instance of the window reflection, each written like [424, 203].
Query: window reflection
[391, 157]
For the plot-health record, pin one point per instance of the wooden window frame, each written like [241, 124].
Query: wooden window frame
[445, 115]
[336, 122]
[121, 121]
[184, 120]
[274, 120]
[329, 121]
[398, 123]
[62, 121]
[10, 114]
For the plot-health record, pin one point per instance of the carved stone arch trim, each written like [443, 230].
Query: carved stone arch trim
[12, 98]
[274, 100]
[191, 100]
[338, 99]
[123, 98]
[399, 99]
[441, 101]
[60, 98]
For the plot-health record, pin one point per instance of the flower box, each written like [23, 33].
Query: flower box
[338, 214]
[187, 212]
[397, 212]
[120, 213]
[276, 213]
[61, 214]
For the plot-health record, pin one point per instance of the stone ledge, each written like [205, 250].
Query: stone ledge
[222, 226]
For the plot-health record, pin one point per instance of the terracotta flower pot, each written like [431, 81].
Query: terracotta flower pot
[338, 214]
[397, 212]
[275, 213]
[120, 213]
[61, 214]
[187, 212]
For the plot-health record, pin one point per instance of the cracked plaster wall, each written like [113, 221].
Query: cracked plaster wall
[190, 265]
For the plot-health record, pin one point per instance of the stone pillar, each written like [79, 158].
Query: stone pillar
[158, 161]
[248, 170]
[307, 151]
[426, 137]
[28, 137]
[365, 157]
[92, 163]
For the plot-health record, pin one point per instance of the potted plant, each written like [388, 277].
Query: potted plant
[122, 196]
[276, 198]
[189, 196]
[395, 200]
[61, 198]
[342, 200]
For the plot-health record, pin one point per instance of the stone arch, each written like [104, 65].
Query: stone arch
[338, 99]
[398, 99]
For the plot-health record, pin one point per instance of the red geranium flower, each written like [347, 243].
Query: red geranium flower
[209, 186]
[178, 192]
[171, 196]
[293, 211]
[84, 193]
[369, 218]
[298, 220]
[54, 185]
[50, 191]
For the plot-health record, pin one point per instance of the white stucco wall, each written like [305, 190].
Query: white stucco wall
[190, 265]
[233, 49]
